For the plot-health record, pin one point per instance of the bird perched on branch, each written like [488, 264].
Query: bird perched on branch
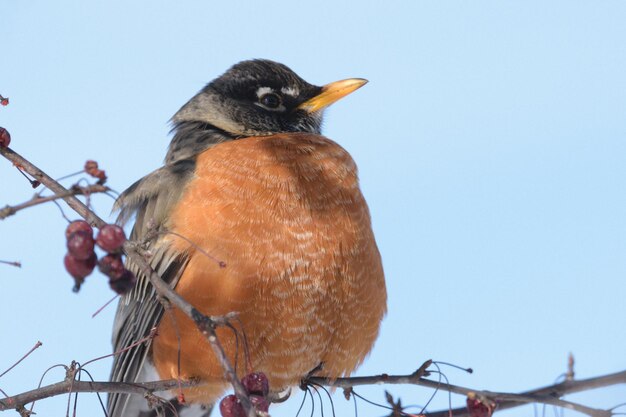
[254, 212]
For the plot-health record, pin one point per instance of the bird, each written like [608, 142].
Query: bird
[256, 213]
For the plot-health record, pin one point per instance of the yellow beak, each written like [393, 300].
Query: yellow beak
[331, 93]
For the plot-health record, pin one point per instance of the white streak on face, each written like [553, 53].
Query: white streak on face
[290, 91]
[263, 91]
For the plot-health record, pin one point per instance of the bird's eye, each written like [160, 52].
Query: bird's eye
[270, 100]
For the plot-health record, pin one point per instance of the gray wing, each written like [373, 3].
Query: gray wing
[150, 199]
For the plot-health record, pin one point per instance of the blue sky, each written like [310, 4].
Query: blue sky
[491, 143]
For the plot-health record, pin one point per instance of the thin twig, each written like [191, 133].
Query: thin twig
[37, 345]
[219, 263]
[150, 336]
[37, 199]
[99, 310]
[16, 264]
[77, 205]
[63, 387]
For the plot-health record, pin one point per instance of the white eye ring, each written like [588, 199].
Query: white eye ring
[270, 100]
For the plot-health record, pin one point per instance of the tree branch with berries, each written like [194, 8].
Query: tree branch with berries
[252, 394]
[81, 259]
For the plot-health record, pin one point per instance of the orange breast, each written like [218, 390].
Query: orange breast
[286, 215]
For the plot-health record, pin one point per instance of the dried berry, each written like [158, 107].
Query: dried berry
[78, 226]
[231, 407]
[80, 245]
[79, 268]
[256, 383]
[111, 237]
[123, 284]
[91, 168]
[112, 266]
[5, 137]
[4, 101]
[479, 406]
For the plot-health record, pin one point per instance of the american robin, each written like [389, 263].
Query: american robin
[249, 181]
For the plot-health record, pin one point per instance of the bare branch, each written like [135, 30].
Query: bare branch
[37, 199]
[547, 395]
[70, 385]
[16, 264]
[553, 391]
[77, 205]
[37, 345]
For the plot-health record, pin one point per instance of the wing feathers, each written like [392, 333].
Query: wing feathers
[150, 199]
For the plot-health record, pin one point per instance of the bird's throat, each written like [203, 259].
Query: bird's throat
[193, 138]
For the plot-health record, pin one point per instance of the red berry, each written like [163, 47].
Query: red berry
[5, 137]
[4, 101]
[123, 284]
[90, 166]
[231, 407]
[79, 268]
[80, 245]
[256, 383]
[477, 407]
[111, 238]
[78, 226]
[112, 266]
[260, 403]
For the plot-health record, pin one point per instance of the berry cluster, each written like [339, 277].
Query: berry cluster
[257, 386]
[81, 258]
[91, 168]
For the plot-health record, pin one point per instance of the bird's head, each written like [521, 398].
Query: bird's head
[262, 97]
